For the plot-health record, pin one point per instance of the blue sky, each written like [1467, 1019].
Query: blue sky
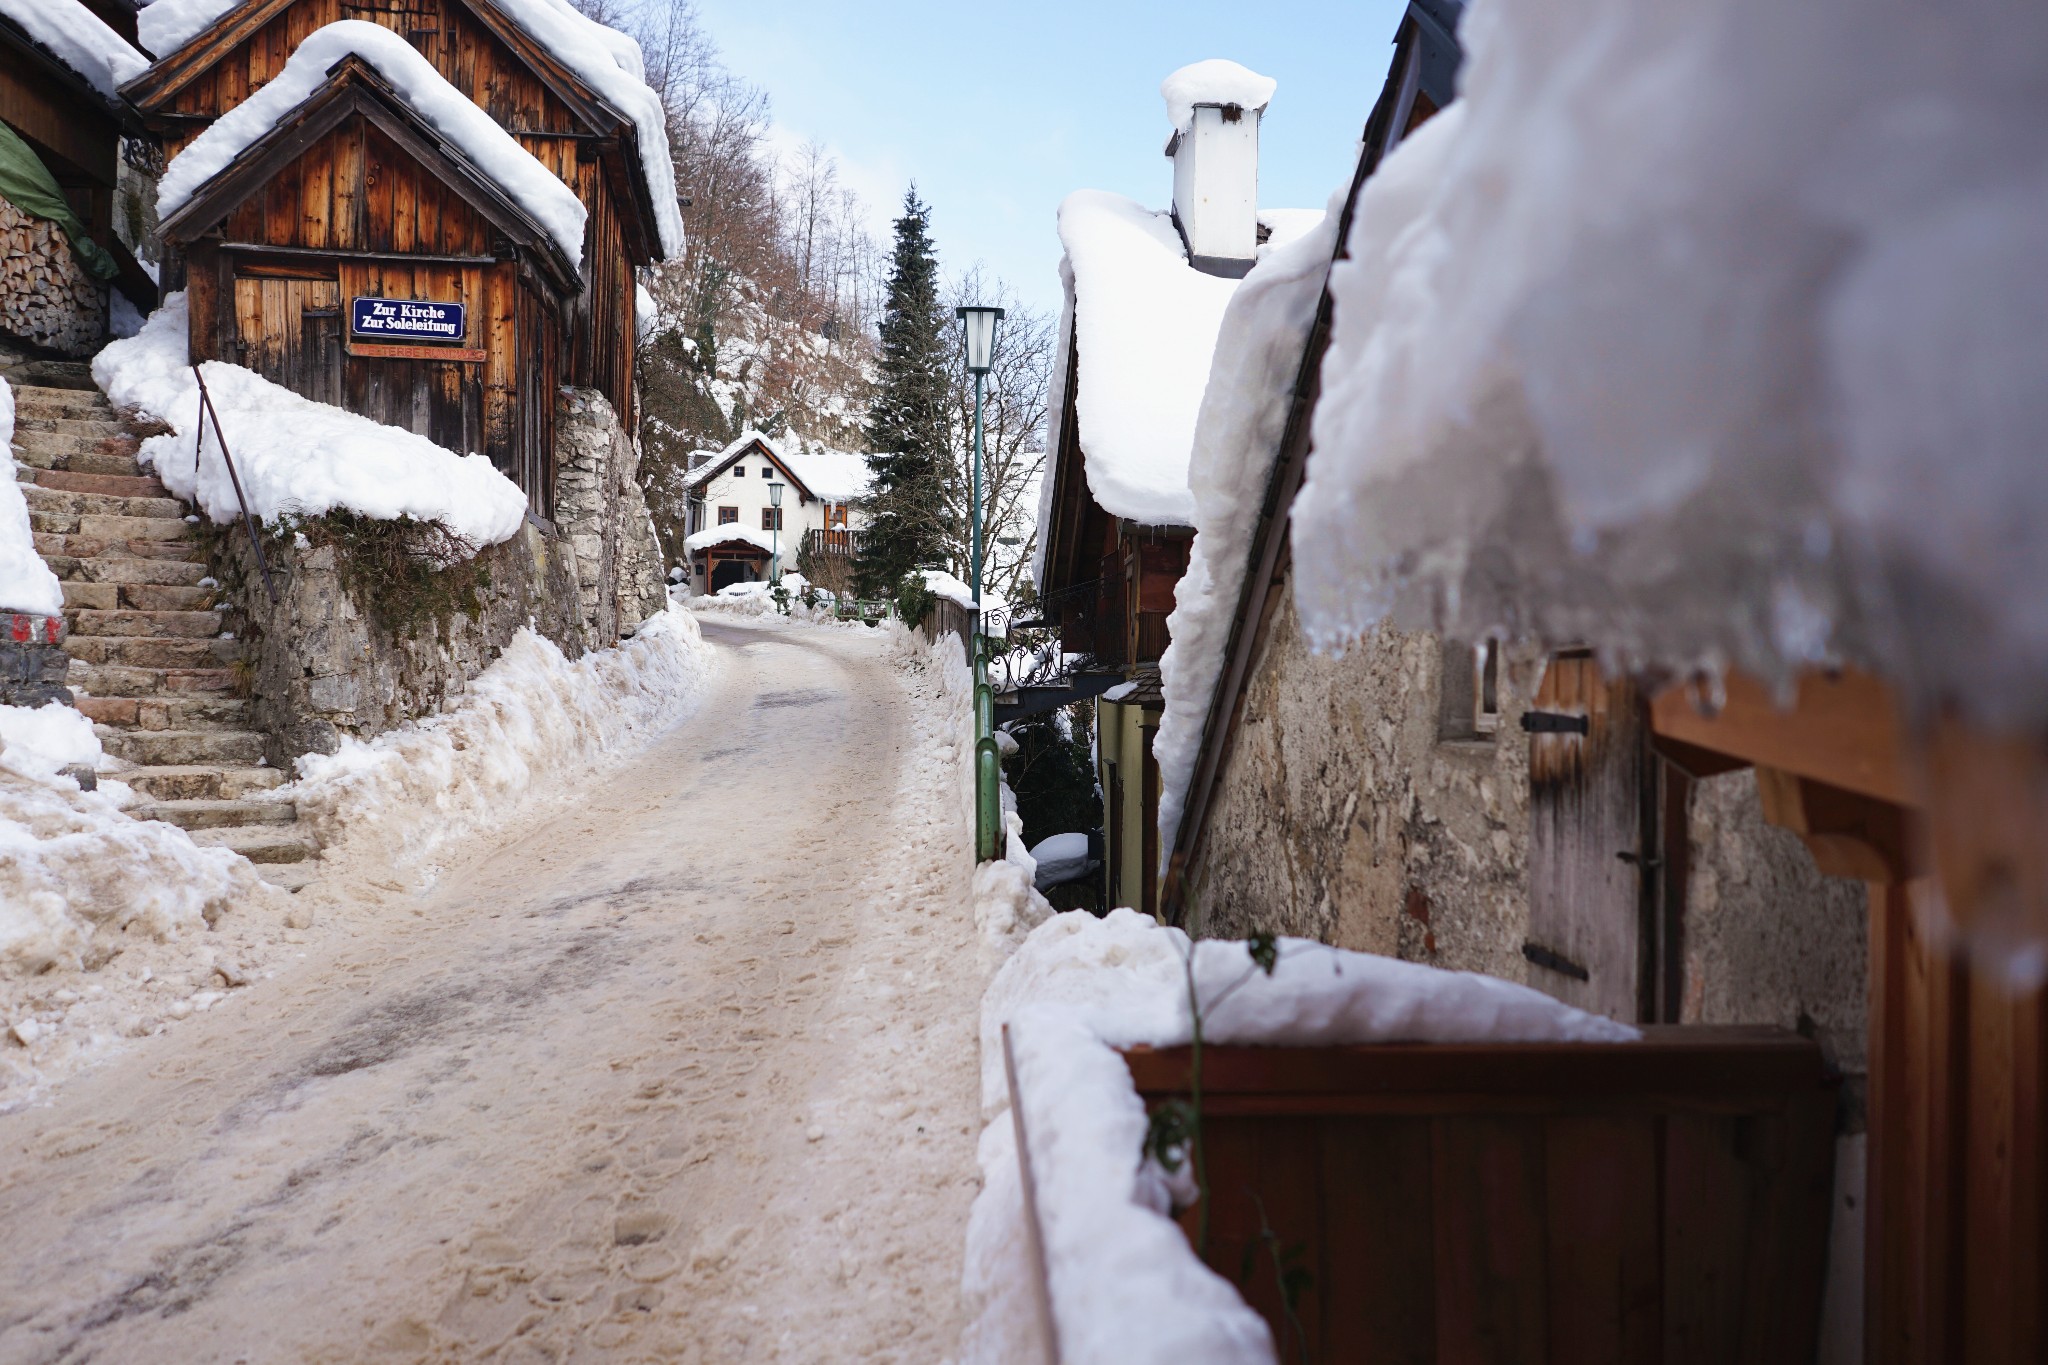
[998, 110]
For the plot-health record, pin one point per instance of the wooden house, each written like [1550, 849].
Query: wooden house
[1600, 807]
[61, 101]
[349, 208]
[380, 206]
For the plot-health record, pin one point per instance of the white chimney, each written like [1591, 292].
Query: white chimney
[1215, 107]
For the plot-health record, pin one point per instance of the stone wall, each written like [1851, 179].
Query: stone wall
[33, 664]
[601, 510]
[320, 666]
[45, 295]
[1345, 815]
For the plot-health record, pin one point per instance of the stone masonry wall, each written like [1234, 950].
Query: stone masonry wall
[45, 295]
[600, 508]
[319, 667]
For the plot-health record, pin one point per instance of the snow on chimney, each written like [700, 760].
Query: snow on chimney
[1215, 107]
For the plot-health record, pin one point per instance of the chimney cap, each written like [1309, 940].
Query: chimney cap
[1216, 81]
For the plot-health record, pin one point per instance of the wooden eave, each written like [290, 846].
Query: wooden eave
[24, 51]
[803, 491]
[1271, 552]
[1067, 562]
[354, 87]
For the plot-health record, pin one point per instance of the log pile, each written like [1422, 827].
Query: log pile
[45, 295]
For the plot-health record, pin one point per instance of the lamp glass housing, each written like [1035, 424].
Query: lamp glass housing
[978, 322]
[774, 494]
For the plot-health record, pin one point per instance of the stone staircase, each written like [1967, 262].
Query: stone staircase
[149, 663]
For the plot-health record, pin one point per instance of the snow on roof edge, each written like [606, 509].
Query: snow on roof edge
[80, 41]
[424, 91]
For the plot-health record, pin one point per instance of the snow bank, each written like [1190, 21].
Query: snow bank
[1215, 81]
[26, 583]
[295, 456]
[1244, 415]
[43, 739]
[530, 718]
[942, 584]
[1061, 858]
[1724, 352]
[1126, 1287]
[508, 165]
[77, 37]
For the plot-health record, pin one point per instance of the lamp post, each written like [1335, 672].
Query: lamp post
[978, 322]
[775, 559]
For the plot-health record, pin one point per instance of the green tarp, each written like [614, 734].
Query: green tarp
[26, 183]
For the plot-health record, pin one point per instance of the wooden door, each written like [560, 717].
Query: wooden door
[1589, 841]
[273, 338]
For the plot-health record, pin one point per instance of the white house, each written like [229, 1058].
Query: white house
[735, 526]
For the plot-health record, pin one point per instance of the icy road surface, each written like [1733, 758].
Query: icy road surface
[687, 1073]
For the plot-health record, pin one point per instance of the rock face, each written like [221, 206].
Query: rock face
[324, 667]
[602, 512]
[45, 295]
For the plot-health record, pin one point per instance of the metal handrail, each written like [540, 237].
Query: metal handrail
[208, 411]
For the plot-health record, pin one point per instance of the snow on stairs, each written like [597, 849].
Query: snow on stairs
[147, 657]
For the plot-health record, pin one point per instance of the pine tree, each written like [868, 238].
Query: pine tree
[907, 426]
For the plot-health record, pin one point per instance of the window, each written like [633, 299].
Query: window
[739, 471]
[1469, 696]
[835, 516]
[771, 518]
[728, 516]
[766, 472]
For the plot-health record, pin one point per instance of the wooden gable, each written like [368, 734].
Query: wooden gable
[766, 452]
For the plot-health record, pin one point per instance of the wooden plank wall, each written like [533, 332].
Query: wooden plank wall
[1958, 1214]
[475, 61]
[356, 190]
[1523, 1204]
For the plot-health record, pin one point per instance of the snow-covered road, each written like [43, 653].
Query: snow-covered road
[684, 1073]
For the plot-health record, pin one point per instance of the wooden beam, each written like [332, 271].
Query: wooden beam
[378, 351]
[1843, 729]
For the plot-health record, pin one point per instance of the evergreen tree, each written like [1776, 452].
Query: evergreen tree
[908, 426]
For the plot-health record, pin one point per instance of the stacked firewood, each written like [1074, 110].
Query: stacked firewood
[45, 295]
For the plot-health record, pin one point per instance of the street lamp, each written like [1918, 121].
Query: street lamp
[775, 561]
[978, 323]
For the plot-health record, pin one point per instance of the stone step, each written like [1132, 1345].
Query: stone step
[183, 548]
[154, 625]
[55, 374]
[138, 652]
[259, 843]
[34, 400]
[214, 814]
[106, 597]
[108, 425]
[101, 458]
[199, 781]
[117, 485]
[121, 680]
[102, 526]
[57, 500]
[122, 570]
[175, 712]
[157, 748]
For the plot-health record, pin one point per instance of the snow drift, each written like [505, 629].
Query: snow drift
[527, 722]
[26, 583]
[296, 457]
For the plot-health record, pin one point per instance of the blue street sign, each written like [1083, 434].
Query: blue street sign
[405, 320]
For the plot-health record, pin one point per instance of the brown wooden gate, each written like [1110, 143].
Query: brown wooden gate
[1663, 1201]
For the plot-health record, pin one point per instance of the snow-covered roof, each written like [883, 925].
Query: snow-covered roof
[77, 37]
[604, 59]
[834, 475]
[1215, 81]
[494, 152]
[732, 533]
[1144, 328]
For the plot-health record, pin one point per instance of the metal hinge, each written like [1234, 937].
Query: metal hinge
[1555, 723]
[1554, 961]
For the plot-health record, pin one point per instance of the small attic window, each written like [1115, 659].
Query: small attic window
[739, 471]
